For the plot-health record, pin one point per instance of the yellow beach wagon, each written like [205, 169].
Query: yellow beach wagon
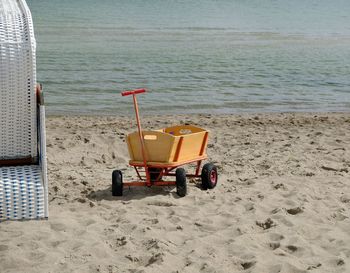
[158, 153]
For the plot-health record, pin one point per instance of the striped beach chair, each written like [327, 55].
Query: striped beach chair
[23, 167]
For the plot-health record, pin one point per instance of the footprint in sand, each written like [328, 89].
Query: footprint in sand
[89, 222]
[282, 220]
[291, 248]
[285, 267]
[57, 226]
[55, 244]
[339, 216]
[295, 211]
[247, 265]
[345, 199]
[275, 240]
[121, 241]
[294, 250]
[207, 268]
[274, 245]
[276, 237]
[314, 266]
[157, 258]
[150, 221]
[279, 186]
[36, 255]
[249, 207]
[268, 223]
[339, 262]
[3, 248]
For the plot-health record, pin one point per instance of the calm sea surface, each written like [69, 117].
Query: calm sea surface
[203, 56]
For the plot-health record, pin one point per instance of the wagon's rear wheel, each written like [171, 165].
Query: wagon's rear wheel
[181, 185]
[209, 176]
[117, 183]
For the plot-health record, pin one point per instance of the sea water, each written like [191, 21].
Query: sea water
[194, 56]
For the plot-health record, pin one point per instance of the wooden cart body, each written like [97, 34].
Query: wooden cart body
[171, 146]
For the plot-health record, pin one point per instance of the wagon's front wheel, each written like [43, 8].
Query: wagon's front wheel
[117, 183]
[181, 185]
[209, 176]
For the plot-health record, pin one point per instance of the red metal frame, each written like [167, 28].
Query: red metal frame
[162, 165]
[164, 169]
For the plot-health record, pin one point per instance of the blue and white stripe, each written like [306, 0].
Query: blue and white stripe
[22, 194]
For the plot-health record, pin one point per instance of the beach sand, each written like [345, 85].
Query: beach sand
[281, 205]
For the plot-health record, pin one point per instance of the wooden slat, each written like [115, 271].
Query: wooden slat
[178, 150]
[204, 144]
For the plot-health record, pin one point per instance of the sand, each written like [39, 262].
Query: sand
[281, 205]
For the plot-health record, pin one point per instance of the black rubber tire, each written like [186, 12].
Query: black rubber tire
[117, 183]
[181, 185]
[209, 176]
[154, 173]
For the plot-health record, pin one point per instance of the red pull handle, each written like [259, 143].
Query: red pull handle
[133, 92]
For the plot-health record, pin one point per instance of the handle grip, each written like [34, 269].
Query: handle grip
[133, 92]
